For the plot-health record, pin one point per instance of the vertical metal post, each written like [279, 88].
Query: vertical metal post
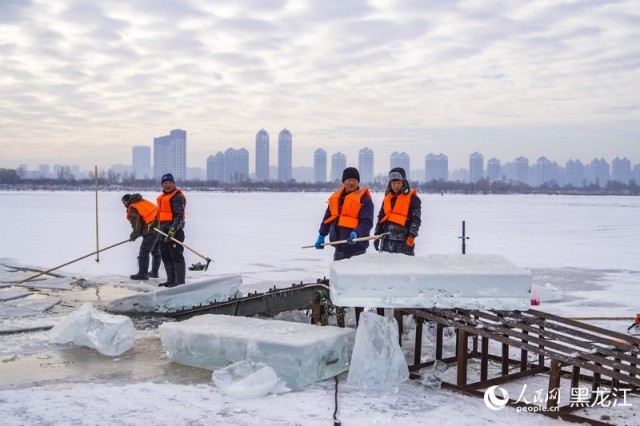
[97, 239]
[464, 239]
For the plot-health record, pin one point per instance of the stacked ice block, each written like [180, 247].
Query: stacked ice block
[300, 354]
[472, 281]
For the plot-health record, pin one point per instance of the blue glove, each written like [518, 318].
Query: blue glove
[319, 242]
[352, 236]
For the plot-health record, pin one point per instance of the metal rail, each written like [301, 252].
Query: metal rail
[314, 296]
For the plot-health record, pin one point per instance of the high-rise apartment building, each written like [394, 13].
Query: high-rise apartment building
[400, 159]
[546, 172]
[574, 173]
[320, 165]
[494, 169]
[338, 164]
[599, 172]
[170, 154]
[262, 155]
[285, 164]
[621, 170]
[365, 165]
[436, 167]
[476, 167]
[215, 167]
[142, 162]
[236, 165]
[521, 170]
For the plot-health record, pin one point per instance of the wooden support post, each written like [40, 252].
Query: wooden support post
[417, 355]
[505, 359]
[484, 359]
[553, 390]
[575, 377]
[439, 328]
[524, 354]
[462, 346]
[397, 314]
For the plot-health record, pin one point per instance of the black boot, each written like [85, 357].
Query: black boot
[171, 276]
[155, 267]
[143, 267]
[181, 271]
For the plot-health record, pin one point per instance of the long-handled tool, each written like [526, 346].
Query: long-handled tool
[186, 246]
[335, 243]
[69, 263]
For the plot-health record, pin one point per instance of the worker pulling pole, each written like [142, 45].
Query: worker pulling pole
[334, 243]
[185, 246]
[73, 261]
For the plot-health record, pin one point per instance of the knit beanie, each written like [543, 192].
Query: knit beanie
[351, 173]
[167, 177]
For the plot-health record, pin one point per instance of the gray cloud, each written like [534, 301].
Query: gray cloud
[123, 72]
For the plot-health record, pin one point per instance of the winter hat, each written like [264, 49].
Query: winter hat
[351, 173]
[126, 197]
[395, 176]
[399, 170]
[167, 177]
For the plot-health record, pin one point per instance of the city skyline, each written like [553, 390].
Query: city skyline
[84, 82]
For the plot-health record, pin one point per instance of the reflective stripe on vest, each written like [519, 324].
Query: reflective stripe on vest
[165, 214]
[146, 210]
[348, 214]
[400, 212]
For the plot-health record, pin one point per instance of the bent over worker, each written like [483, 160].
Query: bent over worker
[348, 216]
[171, 218]
[142, 214]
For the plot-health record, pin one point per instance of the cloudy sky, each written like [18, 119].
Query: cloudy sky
[82, 81]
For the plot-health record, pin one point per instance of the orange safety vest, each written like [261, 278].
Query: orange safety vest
[400, 212]
[165, 214]
[348, 214]
[146, 210]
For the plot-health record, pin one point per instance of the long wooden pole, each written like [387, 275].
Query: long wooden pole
[73, 261]
[97, 239]
[335, 243]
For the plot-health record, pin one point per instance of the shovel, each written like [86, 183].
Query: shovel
[185, 246]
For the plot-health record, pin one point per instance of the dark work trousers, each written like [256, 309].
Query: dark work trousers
[150, 245]
[172, 252]
[339, 255]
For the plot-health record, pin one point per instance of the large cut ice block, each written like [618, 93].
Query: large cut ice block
[300, 354]
[471, 281]
[195, 293]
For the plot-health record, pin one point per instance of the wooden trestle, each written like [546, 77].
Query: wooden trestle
[564, 348]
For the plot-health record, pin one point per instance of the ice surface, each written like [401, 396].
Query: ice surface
[299, 353]
[472, 281]
[377, 361]
[12, 294]
[110, 335]
[245, 379]
[26, 307]
[183, 296]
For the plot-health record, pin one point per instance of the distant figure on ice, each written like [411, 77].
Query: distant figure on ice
[142, 214]
[171, 214]
[399, 216]
[348, 216]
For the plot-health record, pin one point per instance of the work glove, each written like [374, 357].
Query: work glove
[410, 242]
[352, 236]
[376, 244]
[319, 242]
[132, 237]
[170, 234]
